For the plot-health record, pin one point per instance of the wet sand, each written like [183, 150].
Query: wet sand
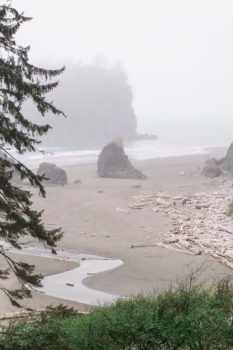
[94, 218]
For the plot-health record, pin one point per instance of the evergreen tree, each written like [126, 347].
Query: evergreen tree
[20, 81]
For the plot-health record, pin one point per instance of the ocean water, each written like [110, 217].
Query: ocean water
[165, 146]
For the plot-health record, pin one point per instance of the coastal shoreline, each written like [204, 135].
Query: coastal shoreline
[137, 151]
[95, 219]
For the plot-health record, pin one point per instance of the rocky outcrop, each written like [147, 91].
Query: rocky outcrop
[227, 162]
[214, 167]
[54, 174]
[114, 163]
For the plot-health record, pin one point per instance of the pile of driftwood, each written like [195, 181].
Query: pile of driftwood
[200, 221]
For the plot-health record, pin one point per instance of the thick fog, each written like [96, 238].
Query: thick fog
[178, 55]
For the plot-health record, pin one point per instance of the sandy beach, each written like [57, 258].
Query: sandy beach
[96, 219]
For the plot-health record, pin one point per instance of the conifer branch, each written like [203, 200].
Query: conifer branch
[21, 81]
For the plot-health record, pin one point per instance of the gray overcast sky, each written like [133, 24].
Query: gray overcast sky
[178, 54]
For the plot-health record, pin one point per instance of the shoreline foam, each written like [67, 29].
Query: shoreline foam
[138, 151]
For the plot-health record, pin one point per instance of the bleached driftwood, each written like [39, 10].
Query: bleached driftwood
[136, 205]
[122, 210]
[202, 225]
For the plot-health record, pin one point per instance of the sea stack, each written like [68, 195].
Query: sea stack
[114, 163]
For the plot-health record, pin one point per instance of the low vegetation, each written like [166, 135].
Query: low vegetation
[230, 210]
[189, 317]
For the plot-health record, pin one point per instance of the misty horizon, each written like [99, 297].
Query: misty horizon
[178, 56]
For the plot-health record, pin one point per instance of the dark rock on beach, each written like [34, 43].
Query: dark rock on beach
[54, 174]
[78, 181]
[114, 163]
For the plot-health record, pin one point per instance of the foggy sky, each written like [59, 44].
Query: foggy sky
[178, 54]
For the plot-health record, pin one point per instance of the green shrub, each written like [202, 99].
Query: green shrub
[188, 318]
[44, 331]
[230, 210]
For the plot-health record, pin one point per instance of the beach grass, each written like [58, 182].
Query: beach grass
[230, 210]
[188, 317]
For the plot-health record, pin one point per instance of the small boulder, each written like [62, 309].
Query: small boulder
[78, 181]
[54, 174]
[114, 163]
[136, 186]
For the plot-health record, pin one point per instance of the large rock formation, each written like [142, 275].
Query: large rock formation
[227, 162]
[98, 102]
[214, 167]
[54, 174]
[114, 163]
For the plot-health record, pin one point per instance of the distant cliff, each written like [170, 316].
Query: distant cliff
[98, 104]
